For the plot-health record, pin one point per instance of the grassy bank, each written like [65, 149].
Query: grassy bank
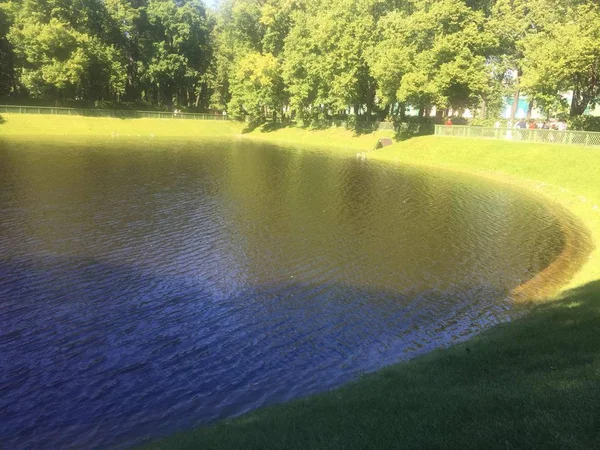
[48, 125]
[531, 383]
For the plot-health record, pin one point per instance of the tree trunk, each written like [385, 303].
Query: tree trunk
[198, 96]
[483, 109]
[530, 109]
[439, 113]
[578, 104]
[515, 105]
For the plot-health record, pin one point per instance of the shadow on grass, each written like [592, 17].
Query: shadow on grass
[2, 120]
[358, 129]
[531, 383]
[409, 130]
[402, 131]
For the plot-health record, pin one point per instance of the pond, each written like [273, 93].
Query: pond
[151, 286]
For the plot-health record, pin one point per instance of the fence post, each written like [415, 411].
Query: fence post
[587, 139]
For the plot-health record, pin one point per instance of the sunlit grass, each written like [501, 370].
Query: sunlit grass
[49, 125]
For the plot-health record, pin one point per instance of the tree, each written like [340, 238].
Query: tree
[390, 59]
[59, 50]
[177, 44]
[446, 45]
[512, 22]
[325, 65]
[256, 88]
[7, 64]
[565, 57]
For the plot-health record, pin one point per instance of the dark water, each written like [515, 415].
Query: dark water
[149, 287]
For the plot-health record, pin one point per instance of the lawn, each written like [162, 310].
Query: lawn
[79, 126]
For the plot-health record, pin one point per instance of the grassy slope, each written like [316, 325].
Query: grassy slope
[340, 139]
[47, 125]
[530, 383]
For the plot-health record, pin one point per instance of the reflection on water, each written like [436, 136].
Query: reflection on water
[148, 287]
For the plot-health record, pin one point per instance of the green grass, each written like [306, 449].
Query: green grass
[48, 125]
[531, 383]
[339, 139]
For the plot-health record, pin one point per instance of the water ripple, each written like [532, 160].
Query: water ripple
[146, 292]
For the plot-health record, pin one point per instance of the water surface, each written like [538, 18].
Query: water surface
[147, 287]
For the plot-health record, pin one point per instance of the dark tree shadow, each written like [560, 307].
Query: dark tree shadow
[409, 130]
[2, 120]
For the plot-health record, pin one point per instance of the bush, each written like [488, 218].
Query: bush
[584, 123]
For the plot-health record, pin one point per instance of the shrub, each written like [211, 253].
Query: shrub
[585, 123]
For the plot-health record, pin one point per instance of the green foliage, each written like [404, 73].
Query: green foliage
[325, 65]
[446, 43]
[565, 56]
[256, 88]
[587, 123]
[107, 50]
[333, 59]
[7, 74]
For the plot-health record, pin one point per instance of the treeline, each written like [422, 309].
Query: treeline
[156, 51]
[306, 59]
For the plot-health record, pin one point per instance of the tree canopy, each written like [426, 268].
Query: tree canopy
[305, 59]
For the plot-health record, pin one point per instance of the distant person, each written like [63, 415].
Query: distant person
[521, 124]
[532, 125]
[449, 122]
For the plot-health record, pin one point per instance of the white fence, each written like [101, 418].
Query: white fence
[8, 109]
[586, 138]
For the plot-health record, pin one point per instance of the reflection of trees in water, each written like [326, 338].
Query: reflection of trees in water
[390, 227]
[287, 213]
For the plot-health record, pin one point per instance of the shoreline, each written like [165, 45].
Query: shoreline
[585, 209]
[575, 253]
[578, 227]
